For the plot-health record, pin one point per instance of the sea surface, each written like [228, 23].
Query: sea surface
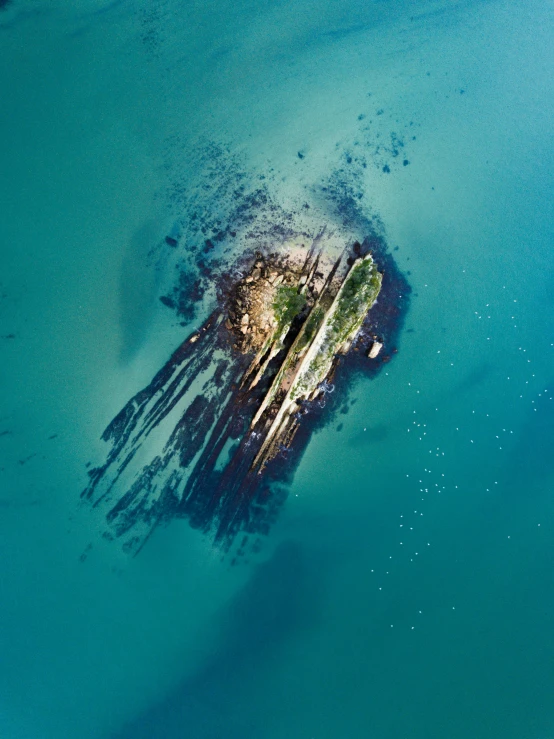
[407, 589]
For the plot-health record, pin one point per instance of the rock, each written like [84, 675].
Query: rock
[278, 280]
[169, 302]
[256, 274]
[245, 319]
[375, 349]
[228, 324]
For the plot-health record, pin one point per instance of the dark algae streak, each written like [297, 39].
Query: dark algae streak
[217, 434]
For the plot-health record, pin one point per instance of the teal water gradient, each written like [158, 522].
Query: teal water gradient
[407, 590]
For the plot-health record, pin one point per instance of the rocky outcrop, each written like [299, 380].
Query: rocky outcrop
[222, 424]
[308, 314]
[374, 350]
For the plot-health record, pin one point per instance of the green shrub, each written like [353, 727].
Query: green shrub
[287, 305]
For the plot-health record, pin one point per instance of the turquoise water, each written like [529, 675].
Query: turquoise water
[407, 589]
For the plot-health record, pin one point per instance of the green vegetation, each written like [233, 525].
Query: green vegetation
[331, 325]
[287, 305]
[310, 328]
[328, 330]
[358, 293]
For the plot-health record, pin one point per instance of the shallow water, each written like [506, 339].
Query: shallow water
[406, 590]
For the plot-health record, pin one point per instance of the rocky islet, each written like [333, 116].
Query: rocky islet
[223, 424]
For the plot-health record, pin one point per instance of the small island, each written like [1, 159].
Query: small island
[217, 434]
[307, 315]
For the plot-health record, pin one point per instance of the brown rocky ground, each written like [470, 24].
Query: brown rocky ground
[251, 314]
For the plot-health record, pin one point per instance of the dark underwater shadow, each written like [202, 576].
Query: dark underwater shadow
[370, 435]
[531, 462]
[137, 289]
[279, 603]
[473, 379]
